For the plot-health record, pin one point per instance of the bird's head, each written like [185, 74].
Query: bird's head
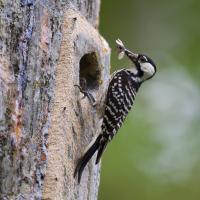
[145, 67]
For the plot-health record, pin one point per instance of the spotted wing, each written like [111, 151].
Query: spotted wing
[120, 98]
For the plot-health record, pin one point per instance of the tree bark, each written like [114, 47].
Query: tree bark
[47, 47]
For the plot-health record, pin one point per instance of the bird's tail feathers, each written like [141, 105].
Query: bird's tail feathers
[86, 157]
[101, 149]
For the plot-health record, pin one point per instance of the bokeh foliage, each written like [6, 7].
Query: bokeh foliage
[156, 153]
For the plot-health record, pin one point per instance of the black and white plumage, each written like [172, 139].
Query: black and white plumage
[120, 97]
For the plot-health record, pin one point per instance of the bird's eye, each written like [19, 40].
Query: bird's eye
[143, 59]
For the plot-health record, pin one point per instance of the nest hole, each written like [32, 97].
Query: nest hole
[89, 72]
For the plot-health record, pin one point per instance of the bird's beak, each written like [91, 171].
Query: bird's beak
[122, 50]
[132, 56]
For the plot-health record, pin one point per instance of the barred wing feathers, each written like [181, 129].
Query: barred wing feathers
[120, 97]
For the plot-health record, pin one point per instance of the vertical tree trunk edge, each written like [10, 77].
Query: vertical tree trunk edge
[46, 48]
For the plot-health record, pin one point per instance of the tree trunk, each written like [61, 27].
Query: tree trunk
[46, 47]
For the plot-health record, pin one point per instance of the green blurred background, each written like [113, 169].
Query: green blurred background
[156, 154]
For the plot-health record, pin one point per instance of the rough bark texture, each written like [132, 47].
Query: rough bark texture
[46, 47]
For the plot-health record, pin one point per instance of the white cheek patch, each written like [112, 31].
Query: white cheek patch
[148, 69]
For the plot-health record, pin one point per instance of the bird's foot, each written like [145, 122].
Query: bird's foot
[88, 95]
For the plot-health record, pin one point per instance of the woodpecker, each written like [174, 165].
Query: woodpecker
[121, 93]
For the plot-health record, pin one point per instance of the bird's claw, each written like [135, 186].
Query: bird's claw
[88, 95]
